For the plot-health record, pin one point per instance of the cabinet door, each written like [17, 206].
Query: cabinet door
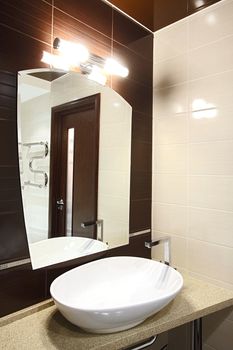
[180, 338]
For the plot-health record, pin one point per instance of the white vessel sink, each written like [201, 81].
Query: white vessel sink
[114, 294]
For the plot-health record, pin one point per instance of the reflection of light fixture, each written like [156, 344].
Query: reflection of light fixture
[72, 56]
[199, 3]
[211, 19]
[201, 109]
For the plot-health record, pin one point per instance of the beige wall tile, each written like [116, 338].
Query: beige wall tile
[171, 41]
[169, 218]
[219, 128]
[197, 209]
[214, 192]
[214, 89]
[211, 24]
[170, 101]
[211, 260]
[170, 189]
[170, 159]
[170, 129]
[211, 226]
[211, 59]
[212, 158]
[170, 72]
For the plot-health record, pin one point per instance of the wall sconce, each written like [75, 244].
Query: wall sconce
[74, 56]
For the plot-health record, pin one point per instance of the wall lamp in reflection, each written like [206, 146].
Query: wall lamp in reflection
[73, 56]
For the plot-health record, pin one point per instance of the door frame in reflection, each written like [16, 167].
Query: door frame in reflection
[84, 116]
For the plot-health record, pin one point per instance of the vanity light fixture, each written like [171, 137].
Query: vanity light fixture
[74, 56]
[115, 68]
[74, 53]
[55, 61]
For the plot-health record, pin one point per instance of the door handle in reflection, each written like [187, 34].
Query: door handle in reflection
[60, 204]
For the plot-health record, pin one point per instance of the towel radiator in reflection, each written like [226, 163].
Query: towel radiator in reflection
[32, 159]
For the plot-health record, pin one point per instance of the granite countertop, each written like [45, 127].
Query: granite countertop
[43, 327]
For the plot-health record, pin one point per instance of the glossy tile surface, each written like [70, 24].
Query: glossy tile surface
[171, 41]
[94, 13]
[142, 11]
[133, 61]
[206, 225]
[170, 129]
[213, 158]
[167, 12]
[134, 39]
[197, 5]
[196, 116]
[34, 18]
[170, 189]
[69, 28]
[204, 259]
[171, 71]
[213, 24]
[170, 218]
[170, 159]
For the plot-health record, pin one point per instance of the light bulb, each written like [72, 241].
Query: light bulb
[115, 68]
[55, 61]
[74, 53]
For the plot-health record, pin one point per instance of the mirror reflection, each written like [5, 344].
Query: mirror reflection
[74, 154]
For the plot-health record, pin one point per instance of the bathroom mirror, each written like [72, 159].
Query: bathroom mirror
[74, 157]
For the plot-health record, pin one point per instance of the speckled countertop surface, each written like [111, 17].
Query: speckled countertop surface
[43, 327]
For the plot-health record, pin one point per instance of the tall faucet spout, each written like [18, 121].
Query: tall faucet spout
[166, 240]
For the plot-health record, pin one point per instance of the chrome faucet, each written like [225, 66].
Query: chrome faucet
[99, 223]
[166, 240]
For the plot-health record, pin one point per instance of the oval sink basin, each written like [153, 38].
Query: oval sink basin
[114, 294]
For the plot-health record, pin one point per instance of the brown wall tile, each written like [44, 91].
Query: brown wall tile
[94, 13]
[140, 215]
[140, 69]
[141, 156]
[69, 28]
[131, 35]
[156, 14]
[13, 241]
[20, 52]
[142, 127]
[140, 185]
[137, 95]
[140, 10]
[168, 11]
[20, 287]
[32, 18]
